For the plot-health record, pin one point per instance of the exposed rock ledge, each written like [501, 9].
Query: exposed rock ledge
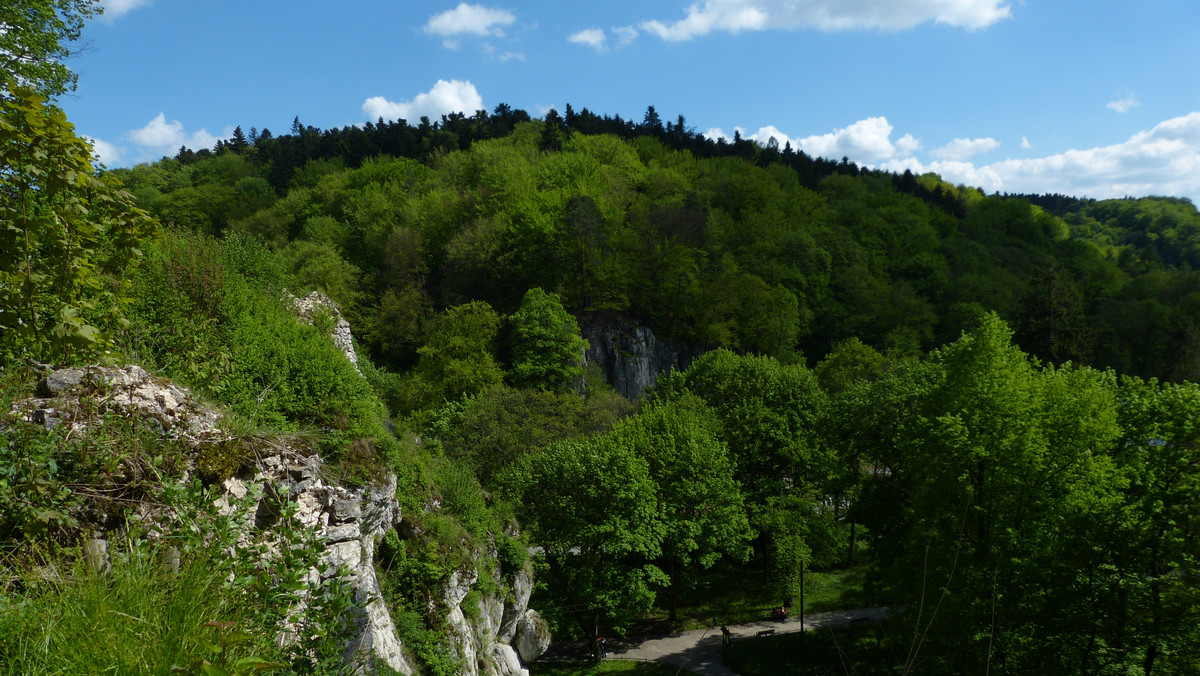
[348, 521]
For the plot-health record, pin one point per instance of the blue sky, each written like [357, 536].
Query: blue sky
[1098, 98]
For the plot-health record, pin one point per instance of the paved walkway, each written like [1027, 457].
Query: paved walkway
[699, 650]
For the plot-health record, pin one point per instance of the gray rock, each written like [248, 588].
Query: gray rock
[631, 357]
[507, 661]
[57, 382]
[462, 642]
[533, 636]
[458, 586]
[515, 608]
[345, 510]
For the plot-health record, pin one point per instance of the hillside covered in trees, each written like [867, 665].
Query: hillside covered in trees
[692, 237]
[983, 403]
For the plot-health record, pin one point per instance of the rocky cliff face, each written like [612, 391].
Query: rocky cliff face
[630, 356]
[491, 639]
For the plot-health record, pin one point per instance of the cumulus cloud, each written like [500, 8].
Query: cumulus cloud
[1124, 104]
[827, 15]
[115, 8]
[108, 153]
[962, 148]
[907, 145]
[864, 141]
[469, 20]
[591, 37]
[454, 96]
[159, 134]
[1162, 161]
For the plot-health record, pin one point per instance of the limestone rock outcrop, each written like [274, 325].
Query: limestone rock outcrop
[308, 307]
[491, 637]
[127, 391]
[630, 356]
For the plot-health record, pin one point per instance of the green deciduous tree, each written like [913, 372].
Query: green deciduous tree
[547, 350]
[69, 236]
[769, 414]
[35, 38]
[593, 508]
[457, 357]
[1004, 464]
[700, 503]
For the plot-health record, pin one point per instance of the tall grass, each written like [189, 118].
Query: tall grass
[139, 618]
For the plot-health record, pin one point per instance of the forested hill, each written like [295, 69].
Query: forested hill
[759, 249]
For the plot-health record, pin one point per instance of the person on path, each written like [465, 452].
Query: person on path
[603, 647]
[726, 637]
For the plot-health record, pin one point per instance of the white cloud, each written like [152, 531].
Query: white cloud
[469, 20]
[592, 37]
[715, 133]
[115, 8]
[864, 141]
[962, 148]
[625, 35]
[1124, 104]
[109, 154]
[765, 134]
[597, 39]
[1162, 161]
[907, 145]
[828, 15]
[162, 135]
[454, 96]
[158, 132]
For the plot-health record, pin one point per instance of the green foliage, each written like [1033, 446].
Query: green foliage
[69, 239]
[500, 425]
[254, 355]
[700, 504]
[457, 357]
[856, 649]
[33, 500]
[319, 267]
[547, 351]
[36, 40]
[212, 613]
[592, 506]
[769, 414]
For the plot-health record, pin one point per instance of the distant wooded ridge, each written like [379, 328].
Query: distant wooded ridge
[712, 243]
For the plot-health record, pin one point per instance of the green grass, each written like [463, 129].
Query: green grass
[855, 650]
[604, 667]
[140, 619]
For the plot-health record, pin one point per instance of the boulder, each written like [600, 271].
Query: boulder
[533, 636]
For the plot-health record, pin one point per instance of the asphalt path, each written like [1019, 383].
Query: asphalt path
[699, 650]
